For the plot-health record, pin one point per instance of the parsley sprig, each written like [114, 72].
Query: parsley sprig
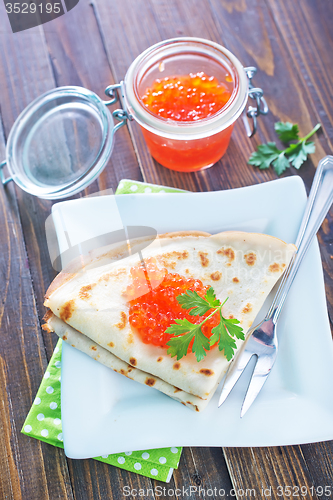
[294, 154]
[184, 331]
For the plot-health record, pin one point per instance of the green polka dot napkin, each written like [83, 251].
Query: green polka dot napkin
[44, 419]
[126, 186]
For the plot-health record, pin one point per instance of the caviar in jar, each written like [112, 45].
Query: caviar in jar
[186, 95]
[187, 98]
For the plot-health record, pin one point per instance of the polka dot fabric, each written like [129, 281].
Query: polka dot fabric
[44, 419]
[127, 186]
[44, 422]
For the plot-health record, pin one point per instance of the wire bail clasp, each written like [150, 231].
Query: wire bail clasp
[116, 92]
[261, 107]
[4, 180]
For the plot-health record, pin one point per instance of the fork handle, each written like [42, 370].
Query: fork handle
[318, 204]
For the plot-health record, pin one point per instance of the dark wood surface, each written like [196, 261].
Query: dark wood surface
[92, 46]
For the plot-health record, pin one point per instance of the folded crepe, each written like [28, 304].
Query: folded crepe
[95, 351]
[90, 308]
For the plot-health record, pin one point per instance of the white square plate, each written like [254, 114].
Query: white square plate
[104, 412]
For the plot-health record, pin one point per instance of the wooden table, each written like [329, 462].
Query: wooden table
[92, 46]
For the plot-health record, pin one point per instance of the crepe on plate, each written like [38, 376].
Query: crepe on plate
[90, 309]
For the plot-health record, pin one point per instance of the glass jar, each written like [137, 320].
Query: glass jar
[186, 146]
[63, 140]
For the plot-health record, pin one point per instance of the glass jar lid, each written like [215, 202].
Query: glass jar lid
[60, 143]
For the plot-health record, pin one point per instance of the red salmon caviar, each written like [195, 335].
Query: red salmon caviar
[154, 311]
[187, 97]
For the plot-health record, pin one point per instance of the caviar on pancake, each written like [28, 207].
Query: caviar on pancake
[153, 311]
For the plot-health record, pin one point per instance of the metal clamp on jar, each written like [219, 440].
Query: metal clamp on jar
[62, 141]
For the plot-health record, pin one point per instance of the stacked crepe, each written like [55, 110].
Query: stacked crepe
[89, 309]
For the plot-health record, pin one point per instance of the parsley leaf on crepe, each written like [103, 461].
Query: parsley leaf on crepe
[193, 300]
[184, 331]
[224, 332]
[211, 298]
[178, 345]
[296, 154]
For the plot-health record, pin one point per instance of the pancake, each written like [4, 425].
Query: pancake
[90, 296]
[95, 351]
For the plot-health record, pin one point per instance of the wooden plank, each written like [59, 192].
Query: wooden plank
[205, 470]
[41, 470]
[28, 468]
[275, 472]
[85, 64]
[285, 88]
[311, 54]
[55, 55]
[320, 464]
[25, 73]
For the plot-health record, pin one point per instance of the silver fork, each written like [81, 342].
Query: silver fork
[262, 340]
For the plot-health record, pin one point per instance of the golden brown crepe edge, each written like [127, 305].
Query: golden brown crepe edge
[73, 268]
